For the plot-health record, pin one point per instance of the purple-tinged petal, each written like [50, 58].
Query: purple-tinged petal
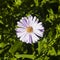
[20, 29]
[24, 22]
[30, 39]
[30, 18]
[20, 34]
[19, 24]
[24, 18]
[23, 37]
[38, 33]
[42, 30]
[34, 38]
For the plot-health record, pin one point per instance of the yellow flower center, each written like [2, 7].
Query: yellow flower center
[29, 29]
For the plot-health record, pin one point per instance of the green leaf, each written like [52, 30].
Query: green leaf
[18, 2]
[1, 22]
[58, 53]
[24, 56]
[42, 45]
[58, 29]
[46, 58]
[13, 59]
[16, 45]
[2, 45]
[52, 51]
[1, 17]
[43, 2]
[0, 36]
[1, 51]
[36, 2]
[59, 9]
[39, 47]
[51, 16]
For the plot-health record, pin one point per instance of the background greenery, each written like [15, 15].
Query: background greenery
[47, 48]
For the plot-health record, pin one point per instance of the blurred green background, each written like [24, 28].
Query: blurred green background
[48, 47]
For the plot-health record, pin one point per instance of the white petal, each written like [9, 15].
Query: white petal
[30, 39]
[39, 26]
[30, 18]
[19, 24]
[39, 33]
[37, 21]
[25, 38]
[20, 29]
[34, 19]
[34, 38]
[20, 34]
[24, 18]
[40, 23]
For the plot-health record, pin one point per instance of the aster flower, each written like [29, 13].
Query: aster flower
[29, 30]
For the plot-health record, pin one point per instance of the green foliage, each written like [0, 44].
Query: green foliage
[17, 2]
[36, 2]
[24, 56]
[47, 48]
[16, 45]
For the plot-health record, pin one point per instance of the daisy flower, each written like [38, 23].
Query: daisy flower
[29, 29]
